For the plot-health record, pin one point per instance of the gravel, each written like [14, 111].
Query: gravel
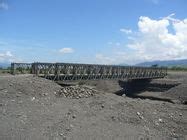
[36, 108]
[76, 92]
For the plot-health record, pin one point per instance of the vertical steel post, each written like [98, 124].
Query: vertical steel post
[13, 70]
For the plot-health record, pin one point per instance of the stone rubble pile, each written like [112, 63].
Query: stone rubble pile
[76, 92]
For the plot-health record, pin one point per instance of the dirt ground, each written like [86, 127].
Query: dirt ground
[32, 109]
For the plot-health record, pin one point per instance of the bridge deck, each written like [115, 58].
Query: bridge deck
[70, 71]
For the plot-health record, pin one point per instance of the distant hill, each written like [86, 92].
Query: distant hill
[4, 65]
[169, 63]
[123, 64]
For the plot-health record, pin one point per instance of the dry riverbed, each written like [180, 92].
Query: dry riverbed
[38, 109]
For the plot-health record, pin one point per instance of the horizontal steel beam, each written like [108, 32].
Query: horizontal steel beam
[72, 71]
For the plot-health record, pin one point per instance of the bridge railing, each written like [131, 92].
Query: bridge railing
[71, 71]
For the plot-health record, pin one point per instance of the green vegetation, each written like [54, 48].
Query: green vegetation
[5, 70]
[23, 70]
[155, 66]
[17, 70]
[173, 68]
[178, 68]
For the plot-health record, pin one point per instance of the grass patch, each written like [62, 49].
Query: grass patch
[178, 68]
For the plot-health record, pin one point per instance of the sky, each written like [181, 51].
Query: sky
[93, 31]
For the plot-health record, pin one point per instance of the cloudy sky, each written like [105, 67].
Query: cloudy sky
[93, 31]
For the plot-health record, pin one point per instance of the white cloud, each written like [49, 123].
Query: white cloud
[9, 54]
[156, 39]
[127, 31]
[66, 50]
[155, 42]
[152, 27]
[101, 59]
[6, 56]
[4, 6]
[170, 18]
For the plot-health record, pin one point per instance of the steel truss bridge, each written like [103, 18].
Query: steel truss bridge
[72, 71]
